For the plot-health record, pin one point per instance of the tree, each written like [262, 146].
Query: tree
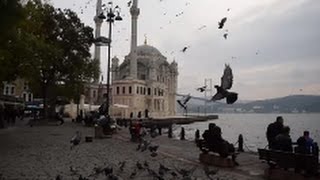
[11, 14]
[52, 50]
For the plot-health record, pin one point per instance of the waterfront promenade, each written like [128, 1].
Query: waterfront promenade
[43, 152]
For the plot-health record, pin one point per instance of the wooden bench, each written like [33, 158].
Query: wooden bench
[216, 156]
[216, 160]
[287, 160]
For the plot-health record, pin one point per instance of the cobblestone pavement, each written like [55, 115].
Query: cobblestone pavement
[43, 152]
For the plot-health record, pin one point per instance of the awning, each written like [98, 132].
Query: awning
[120, 106]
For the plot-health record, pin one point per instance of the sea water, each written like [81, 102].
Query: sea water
[253, 127]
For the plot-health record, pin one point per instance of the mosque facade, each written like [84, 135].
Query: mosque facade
[144, 81]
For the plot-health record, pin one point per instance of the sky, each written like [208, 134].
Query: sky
[273, 46]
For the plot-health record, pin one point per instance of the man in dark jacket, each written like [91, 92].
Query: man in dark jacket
[273, 130]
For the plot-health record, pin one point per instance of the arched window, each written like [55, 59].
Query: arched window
[130, 90]
[149, 91]
[118, 90]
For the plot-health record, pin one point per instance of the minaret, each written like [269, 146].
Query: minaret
[135, 11]
[98, 23]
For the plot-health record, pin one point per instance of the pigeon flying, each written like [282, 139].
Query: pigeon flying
[183, 102]
[226, 83]
[184, 49]
[129, 3]
[222, 22]
[225, 35]
[202, 89]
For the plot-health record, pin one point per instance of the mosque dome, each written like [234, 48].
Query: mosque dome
[147, 50]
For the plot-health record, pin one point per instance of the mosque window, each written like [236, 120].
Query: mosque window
[12, 90]
[130, 89]
[149, 91]
[118, 89]
[141, 90]
[24, 96]
[144, 91]
[159, 92]
[6, 90]
[123, 90]
[94, 94]
[162, 105]
[155, 91]
[25, 86]
[30, 97]
[137, 90]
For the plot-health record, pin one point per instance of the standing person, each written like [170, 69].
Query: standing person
[197, 135]
[137, 130]
[305, 143]
[182, 134]
[170, 131]
[146, 113]
[159, 130]
[283, 141]
[1, 116]
[273, 130]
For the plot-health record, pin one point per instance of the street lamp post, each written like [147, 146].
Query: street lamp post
[113, 14]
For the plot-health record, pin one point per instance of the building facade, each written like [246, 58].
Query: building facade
[18, 89]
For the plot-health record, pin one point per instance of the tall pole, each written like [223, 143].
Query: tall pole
[205, 97]
[110, 20]
[111, 17]
[98, 23]
[208, 84]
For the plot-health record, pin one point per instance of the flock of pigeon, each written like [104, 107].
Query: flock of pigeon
[111, 172]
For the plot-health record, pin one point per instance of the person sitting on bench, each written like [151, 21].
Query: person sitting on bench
[283, 141]
[216, 143]
[305, 144]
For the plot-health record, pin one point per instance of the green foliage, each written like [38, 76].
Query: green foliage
[51, 49]
[11, 13]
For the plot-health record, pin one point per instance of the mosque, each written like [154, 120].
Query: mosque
[144, 81]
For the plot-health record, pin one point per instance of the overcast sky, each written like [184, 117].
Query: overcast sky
[275, 44]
